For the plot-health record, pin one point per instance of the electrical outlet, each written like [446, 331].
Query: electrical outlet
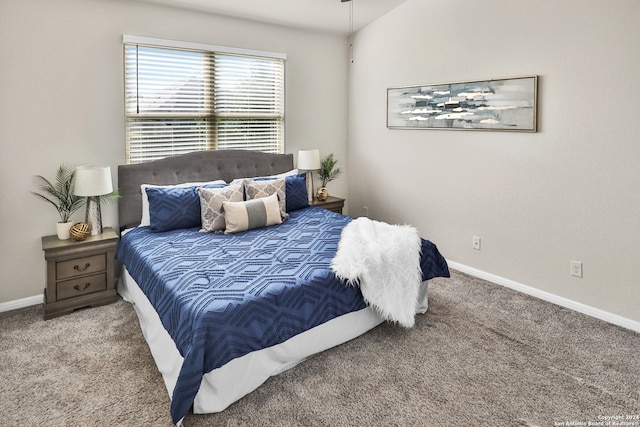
[365, 211]
[576, 268]
[476, 243]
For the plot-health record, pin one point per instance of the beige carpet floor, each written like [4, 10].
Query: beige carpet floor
[482, 356]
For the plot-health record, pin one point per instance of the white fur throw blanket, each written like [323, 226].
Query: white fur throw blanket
[384, 260]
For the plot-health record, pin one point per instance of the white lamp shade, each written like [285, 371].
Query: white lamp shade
[93, 181]
[309, 160]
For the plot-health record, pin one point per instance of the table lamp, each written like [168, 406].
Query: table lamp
[92, 182]
[309, 161]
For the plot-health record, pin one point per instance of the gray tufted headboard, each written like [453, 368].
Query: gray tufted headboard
[192, 167]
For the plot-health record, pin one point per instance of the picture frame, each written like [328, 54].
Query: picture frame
[508, 104]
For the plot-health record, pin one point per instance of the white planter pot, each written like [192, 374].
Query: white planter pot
[63, 229]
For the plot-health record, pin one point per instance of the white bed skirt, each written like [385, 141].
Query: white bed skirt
[227, 384]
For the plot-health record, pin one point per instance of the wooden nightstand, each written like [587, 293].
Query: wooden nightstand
[79, 274]
[334, 204]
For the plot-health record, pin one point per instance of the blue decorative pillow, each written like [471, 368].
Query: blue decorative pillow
[145, 221]
[175, 207]
[296, 191]
[297, 196]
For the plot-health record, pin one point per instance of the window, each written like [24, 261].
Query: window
[183, 97]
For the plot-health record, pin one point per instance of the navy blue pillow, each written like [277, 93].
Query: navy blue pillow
[297, 196]
[174, 208]
[296, 191]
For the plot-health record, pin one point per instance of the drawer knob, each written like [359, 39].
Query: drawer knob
[80, 289]
[78, 268]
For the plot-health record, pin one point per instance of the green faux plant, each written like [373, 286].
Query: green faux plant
[59, 192]
[328, 170]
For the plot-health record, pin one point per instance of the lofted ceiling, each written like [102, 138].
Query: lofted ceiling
[319, 15]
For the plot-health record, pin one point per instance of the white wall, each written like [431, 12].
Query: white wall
[61, 100]
[571, 191]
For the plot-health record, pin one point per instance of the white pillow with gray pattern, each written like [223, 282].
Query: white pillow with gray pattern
[211, 200]
[259, 189]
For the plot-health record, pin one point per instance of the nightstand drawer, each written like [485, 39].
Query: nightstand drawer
[333, 204]
[81, 266]
[81, 286]
[336, 209]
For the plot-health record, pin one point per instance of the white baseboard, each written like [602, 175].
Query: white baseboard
[546, 296]
[21, 303]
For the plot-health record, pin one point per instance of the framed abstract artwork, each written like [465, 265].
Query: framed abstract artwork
[499, 104]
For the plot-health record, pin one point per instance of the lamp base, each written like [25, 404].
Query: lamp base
[93, 215]
[310, 190]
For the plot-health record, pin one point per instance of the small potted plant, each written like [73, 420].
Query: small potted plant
[60, 194]
[328, 172]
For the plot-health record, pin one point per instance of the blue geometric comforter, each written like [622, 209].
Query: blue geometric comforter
[221, 296]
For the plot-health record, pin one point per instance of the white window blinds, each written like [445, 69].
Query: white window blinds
[183, 99]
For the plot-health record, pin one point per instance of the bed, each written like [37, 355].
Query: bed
[222, 312]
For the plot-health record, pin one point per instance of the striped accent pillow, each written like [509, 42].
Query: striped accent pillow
[256, 213]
